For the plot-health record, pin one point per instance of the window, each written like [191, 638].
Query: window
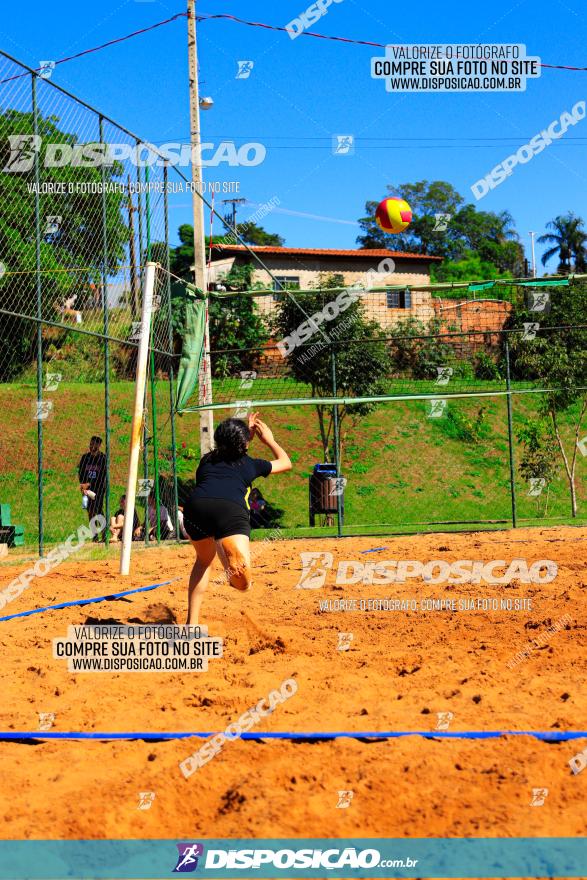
[287, 282]
[399, 299]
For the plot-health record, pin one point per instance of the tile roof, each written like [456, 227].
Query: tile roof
[320, 252]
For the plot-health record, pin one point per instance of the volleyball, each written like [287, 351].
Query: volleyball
[393, 215]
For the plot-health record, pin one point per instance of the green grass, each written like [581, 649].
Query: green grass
[405, 471]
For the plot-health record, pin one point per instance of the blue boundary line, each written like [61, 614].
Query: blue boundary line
[87, 601]
[547, 736]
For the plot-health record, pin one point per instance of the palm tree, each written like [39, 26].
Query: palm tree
[568, 239]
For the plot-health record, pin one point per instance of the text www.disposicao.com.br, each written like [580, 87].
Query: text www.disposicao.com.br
[134, 664]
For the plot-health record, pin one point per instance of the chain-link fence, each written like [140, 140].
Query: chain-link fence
[80, 215]
[426, 425]
[436, 407]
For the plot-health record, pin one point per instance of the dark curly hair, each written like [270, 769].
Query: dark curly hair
[231, 439]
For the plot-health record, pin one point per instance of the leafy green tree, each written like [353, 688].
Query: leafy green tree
[425, 199]
[76, 244]
[538, 461]
[557, 360]
[568, 239]
[256, 235]
[183, 255]
[491, 236]
[469, 268]
[362, 362]
[330, 281]
[417, 349]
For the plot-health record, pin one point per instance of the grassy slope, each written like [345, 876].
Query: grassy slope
[404, 469]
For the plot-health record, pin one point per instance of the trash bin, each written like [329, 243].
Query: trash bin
[324, 491]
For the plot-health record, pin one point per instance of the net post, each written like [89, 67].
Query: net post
[153, 383]
[137, 418]
[39, 319]
[106, 318]
[511, 434]
[339, 509]
[171, 369]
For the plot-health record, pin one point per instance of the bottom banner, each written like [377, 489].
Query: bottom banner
[552, 857]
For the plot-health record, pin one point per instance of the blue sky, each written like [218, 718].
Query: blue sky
[303, 91]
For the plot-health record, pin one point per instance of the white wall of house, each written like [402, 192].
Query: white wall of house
[306, 271]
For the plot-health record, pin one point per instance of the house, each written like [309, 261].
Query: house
[301, 268]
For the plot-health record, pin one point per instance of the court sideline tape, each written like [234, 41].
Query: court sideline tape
[548, 736]
[90, 601]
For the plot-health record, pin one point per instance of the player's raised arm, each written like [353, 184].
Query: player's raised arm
[282, 461]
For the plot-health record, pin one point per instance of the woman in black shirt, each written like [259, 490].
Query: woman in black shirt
[216, 515]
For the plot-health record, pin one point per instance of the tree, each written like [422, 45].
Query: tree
[182, 256]
[568, 239]
[76, 243]
[469, 268]
[418, 349]
[330, 281]
[491, 236]
[253, 234]
[361, 359]
[557, 359]
[425, 199]
[538, 458]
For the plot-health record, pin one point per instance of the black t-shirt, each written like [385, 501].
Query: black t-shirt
[229, 480]
[92, 470]
[135, 518]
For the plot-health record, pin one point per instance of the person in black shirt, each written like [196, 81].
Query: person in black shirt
[216, 514]
[92, 477]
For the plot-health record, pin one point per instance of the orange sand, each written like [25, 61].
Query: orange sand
[401, 670]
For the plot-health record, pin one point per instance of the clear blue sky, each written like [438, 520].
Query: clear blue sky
[303, 91]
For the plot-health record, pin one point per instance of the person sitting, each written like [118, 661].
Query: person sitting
[257, 505]
[166, 526]
[117, 523]
[67, 309]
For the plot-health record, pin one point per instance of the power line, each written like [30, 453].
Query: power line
[258, 24]
[342, 39]
[105, 45]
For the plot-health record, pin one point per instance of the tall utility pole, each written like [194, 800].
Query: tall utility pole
[205, 381]
[234, 203]
[134, 285]
[532, 234]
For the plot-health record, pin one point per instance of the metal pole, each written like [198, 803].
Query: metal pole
[106, 344]
[339, 507]
[134, 285]
[153, 381]
[146, 465]
[39, 324]
[141, 258]
[206, 417]
[155, 447]
[511, 434]
[532, 234]
[175, 516]
[137, 418]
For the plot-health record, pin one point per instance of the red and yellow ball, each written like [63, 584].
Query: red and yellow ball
[393, 215]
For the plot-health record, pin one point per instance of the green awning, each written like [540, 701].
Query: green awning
[559, 282]
[473, 288]
[193, 333]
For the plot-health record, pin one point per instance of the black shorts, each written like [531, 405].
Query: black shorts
[215, 518]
